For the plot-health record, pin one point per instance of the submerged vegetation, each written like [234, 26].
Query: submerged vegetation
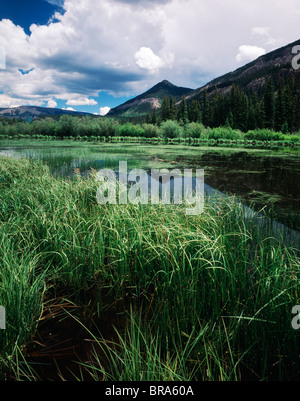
[155, 294]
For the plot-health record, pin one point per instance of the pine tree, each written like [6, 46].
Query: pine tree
[291, 102]
[207, 111]
[280, 107]
[229, 122]
[252, 121]
[148, 119]
[154, 117]
[172, 108]
[269, 105]
[285, 128]
[183, 111]
[165, 109]
[194, 114]
[239, 105]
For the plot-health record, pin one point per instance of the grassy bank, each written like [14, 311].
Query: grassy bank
[160, 295]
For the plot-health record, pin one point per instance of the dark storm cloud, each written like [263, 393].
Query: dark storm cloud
[73, 75]
[90, 81]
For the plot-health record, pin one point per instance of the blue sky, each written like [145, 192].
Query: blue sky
[92, 55]
[27, 12]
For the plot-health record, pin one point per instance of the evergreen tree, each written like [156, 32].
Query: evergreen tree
[285, 128]
[229, 122]
[252, 121]
[219, 112]
[291, 102]
[280, 115]
[172, 108]
[207, 111]
[148, 119]
[269, 105]
[194, 113]
[154, 117]
[239, 106]
[183, 111]
[254, 118]
[165, 109]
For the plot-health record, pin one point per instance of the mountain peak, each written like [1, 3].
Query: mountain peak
[165, 82]
[152, 98]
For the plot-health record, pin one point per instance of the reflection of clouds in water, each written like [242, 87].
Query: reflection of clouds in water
[63, 163]
[10, 153]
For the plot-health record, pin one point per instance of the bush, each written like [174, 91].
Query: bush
[170, 129]
[194, 130]
[224, 133]
[130, 130]
[150, 131]
[108, 127]
[264, 135]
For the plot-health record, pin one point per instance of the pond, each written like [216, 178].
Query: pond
[260, 178]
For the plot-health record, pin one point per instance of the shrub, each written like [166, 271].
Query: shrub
[170, 129]
[264, 135]
[194, 130]
[224, 133]
[130, 130]
[150, 130]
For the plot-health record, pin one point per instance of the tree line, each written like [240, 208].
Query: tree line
[275, 109]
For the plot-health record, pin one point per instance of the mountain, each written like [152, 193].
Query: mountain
[254, 76]
[146, 102]
[28, 113]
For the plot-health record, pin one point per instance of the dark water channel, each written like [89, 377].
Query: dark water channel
[261, 181]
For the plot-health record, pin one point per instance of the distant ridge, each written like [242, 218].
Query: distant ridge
[28, 113]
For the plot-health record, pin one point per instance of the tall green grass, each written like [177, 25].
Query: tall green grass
[205, 297]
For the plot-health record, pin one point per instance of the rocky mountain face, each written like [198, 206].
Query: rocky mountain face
[146, 102]
[254, 76]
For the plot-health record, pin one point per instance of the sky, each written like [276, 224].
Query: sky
[93, 55]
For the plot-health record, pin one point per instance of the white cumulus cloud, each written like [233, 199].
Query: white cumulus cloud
[147, 59]
[104, 110]
[51, 103]
[249, 53]
[83, 101]
[68, 108]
